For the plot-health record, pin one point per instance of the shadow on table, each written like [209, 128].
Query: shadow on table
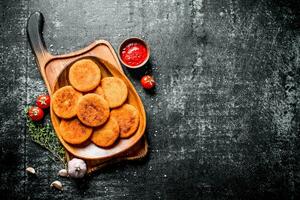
[138, 73]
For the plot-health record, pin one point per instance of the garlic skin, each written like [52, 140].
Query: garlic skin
[63, 173]
[77, 168]
[57, 185]
[30, 170]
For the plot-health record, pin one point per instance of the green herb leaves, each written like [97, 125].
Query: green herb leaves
[44, 135]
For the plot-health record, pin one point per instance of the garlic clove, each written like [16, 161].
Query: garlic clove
[30, 170]
[57, 185]
[63, 173]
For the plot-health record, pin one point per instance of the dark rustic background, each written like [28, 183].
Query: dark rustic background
[223, 123]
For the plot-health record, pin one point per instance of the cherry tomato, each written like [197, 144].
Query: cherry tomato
[35, 113]
[147, 82]
[43, 101]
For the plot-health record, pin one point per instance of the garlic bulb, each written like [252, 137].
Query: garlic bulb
[57, 185]
[77, 168]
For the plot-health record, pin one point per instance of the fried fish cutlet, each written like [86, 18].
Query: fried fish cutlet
[127, 117]
[74, 132]
[84, 75]
[93, 110]
[107, 134]
[64, 102]
[115, 91]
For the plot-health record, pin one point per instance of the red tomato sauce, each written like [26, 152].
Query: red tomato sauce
[134, 54]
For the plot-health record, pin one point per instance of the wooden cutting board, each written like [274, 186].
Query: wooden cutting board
[54, 70]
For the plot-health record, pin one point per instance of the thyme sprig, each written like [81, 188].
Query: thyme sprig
[44, 135]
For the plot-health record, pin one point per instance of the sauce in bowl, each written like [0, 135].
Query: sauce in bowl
[134, 52]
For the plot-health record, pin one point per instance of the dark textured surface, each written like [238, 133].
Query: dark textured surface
[223, 124]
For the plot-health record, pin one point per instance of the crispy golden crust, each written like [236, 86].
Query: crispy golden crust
[127, 117]
[115, 91]
[107, 134]
[93, 110]
[64, 102]
[84, 75]
[74, 132]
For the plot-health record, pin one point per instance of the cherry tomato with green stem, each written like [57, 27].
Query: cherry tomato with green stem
[43, 101]
[35, 113]
[148, 82]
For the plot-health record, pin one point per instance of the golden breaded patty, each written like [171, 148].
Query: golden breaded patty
[107, 134]
[92, 110]
[64, 102]
[84, 75]
[115, 91]
[127, 117]
[74, 132]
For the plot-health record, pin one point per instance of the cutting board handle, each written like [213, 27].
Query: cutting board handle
[34, 31]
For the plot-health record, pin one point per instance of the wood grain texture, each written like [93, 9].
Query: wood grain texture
[223, 123]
